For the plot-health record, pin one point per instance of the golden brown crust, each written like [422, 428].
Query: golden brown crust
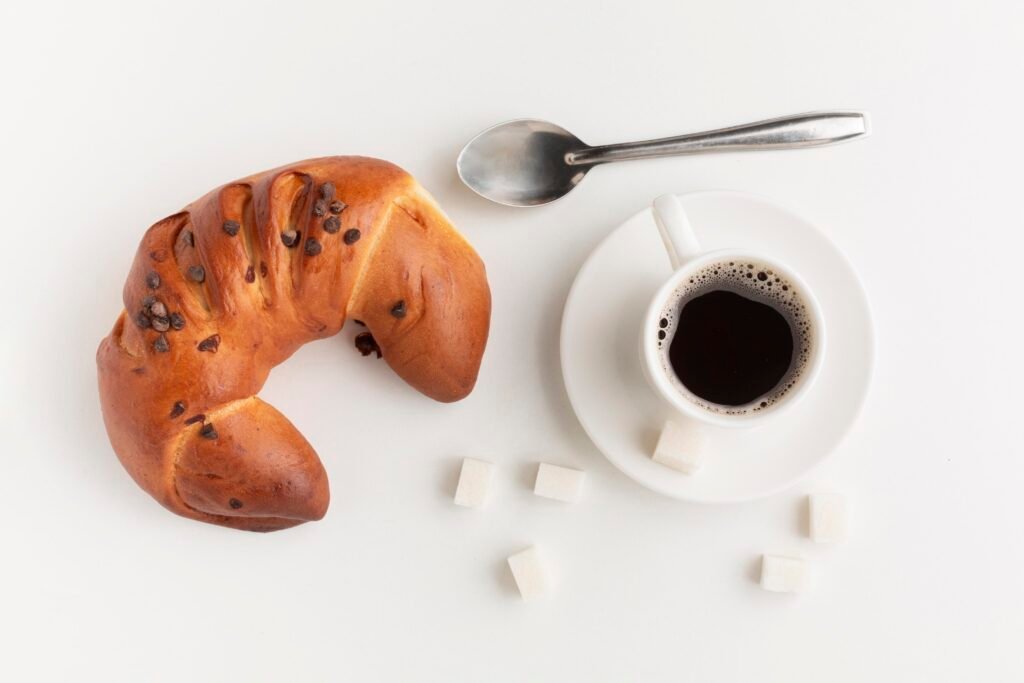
[231, 286]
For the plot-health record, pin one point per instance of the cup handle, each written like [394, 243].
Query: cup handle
[676, 231]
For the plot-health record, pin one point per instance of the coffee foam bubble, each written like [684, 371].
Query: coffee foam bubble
[754, 281]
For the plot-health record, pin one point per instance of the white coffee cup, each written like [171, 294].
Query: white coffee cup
[688, 260]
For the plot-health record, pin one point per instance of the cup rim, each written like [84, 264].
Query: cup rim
[656, 374]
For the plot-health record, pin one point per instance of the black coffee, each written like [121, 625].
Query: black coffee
[735, 336]
[729, 349]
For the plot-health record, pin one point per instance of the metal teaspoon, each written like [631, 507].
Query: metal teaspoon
[528, 162]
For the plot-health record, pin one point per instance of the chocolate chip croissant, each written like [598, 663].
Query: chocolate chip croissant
[231, 286]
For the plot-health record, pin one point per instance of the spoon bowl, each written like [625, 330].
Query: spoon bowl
[521, 163]
[528, 162]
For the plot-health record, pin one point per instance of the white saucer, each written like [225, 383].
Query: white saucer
[623, 416]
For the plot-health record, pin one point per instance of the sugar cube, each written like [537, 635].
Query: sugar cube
[681, 447]
[528, 571]
[784, 574]
[559, 483]
[474, 482]
[827, 517]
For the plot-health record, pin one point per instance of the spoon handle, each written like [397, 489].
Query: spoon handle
[813, 129]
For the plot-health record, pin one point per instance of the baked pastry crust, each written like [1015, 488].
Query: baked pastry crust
[232, 285]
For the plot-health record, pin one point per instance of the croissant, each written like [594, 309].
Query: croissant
[232, 285]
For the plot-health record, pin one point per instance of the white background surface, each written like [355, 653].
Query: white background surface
[115, 116]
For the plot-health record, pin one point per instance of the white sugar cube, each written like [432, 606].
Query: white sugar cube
[560, 483]
[827, 517]
[680, 447]
[528, 571]
[784, 574]
[474, 482]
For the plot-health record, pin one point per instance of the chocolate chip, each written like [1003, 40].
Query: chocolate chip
[158, 255]
[327, 191]
[178, 409]
[141, 319]
[366, 344]
[208, 432]
[290, 237]
[332, 225]
[186, 238]
[210, 343]
[352, 235]
[398, 310]
[160, 323]
[161, 344]
[263, 269]
[250, 274]
[337, 206]
[199, 417]
[157, 308]
[177, 321]
[147, 302]
[319, 207]
[152, 279]
[231, 227]
[197, 273]
[235, 503]
[313, 247]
